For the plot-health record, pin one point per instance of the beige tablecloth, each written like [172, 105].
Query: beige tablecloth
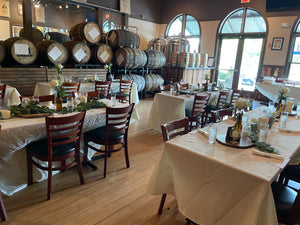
[214, 184]
[271, 91]
[16, 133]
[166, 107]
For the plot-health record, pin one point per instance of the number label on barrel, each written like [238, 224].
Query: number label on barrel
[94, 33]
[112, 38]
[55, 53]
[120, 59]
[80, 54]
[104, 56]
[21, 49]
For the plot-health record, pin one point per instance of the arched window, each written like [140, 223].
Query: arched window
[294, 62]
[241, 39]
[187, 27]
[108, 26]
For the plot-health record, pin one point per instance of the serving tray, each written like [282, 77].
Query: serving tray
[244, 142]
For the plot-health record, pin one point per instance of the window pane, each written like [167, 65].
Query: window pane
[294, 72]
[296, 53]
[192, 26]
[194, 44]
[108, 26]
[298, 28]
[175, 28]
[233, 23]
[254, 22]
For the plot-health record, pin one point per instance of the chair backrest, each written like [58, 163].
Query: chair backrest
[184, 86]
[223, 95]
[218, 115]
[199, 109]
[235, 94]
[71, 87]
[162, 88]
[117, 119]
[174, 128]
[93, 94]
[64, 131]
[42, 98]
[125, 89]
[103, 87]
[2, 91]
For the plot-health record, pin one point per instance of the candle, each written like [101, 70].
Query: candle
[83, 99]
[5, 114]
[289, 106]
[95, 77]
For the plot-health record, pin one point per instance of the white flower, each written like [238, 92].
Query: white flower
[285, 90]
[53, 83]
[59, 66]
[105, 66]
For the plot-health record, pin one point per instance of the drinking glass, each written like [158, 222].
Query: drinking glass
[70, 104]
[263, 134]
[271, 108]
[212, 134]
[113, 99]
[289, 104]
[36, 99]
[283, 119]
[298, 109]
[25, 101]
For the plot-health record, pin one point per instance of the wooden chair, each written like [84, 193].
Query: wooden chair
[2, 91]
[235, 94]
[115, 132]
[3, 214]
[222, 99]
[198, 115]
[93, 94]
[103, 87]
[71, 87]
[170, 130]
[221, 102]
[291, 172]
[287, 203]
[184, 86]
[42, 98]
[125, 91]
[63, 142]
[162, 88]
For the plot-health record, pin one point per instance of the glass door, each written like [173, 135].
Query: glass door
[239, 62]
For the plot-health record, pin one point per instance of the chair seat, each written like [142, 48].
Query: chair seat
[99, 134]
[284, 198]
[41, 148]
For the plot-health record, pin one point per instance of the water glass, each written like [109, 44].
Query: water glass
[70, 104]
[212, 134]
[113, 99]
[25, 101]
[271, 108]
[283, 119]
[298, 109]
[263, 134]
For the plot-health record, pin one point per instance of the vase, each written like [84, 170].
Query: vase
[59, 102]
[237, 128]
[279, 107]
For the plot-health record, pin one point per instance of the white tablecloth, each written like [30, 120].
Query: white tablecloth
[16, 133]
[13, 95]
[166, 107]
[43, 88]
[214, 184]
[271, 91]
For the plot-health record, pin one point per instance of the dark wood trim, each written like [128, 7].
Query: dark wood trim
[27, 19]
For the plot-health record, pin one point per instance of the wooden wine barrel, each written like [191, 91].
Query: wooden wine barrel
[51, 52]
[197, 59]
[88, 32]
[183, 59]
[130, 58]
[78, 52]
[123, 38]
[138, 80]
[37, 35]
[155, 59]
[2, 52]
[58, 37]
[173, 59]
[101, 53]
[203, 60]
[19, 50]
[153, 81]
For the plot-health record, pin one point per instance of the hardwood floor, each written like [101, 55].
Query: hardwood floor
[121, 198]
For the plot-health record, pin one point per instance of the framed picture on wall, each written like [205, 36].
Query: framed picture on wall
[277, 43]
[211, 61]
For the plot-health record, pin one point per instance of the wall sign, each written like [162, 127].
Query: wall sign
[125, 6]
[4, 8]
[277, 43]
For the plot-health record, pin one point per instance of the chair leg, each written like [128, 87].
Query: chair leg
[105, 160]
[49, 180]
[3, 214]
[63, 164]
[126, 153]
[85, 152]
[161, 205]
[29, 168]
[79, 168]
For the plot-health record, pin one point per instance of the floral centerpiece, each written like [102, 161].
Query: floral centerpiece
[282, 97]
[56, 84]
[108, 74]
[206, 78]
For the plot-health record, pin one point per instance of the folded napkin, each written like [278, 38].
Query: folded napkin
[266, 154]
[204, 133]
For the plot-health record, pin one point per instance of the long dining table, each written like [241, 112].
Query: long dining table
[216, 184]
[167, 107]
[17, 132]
